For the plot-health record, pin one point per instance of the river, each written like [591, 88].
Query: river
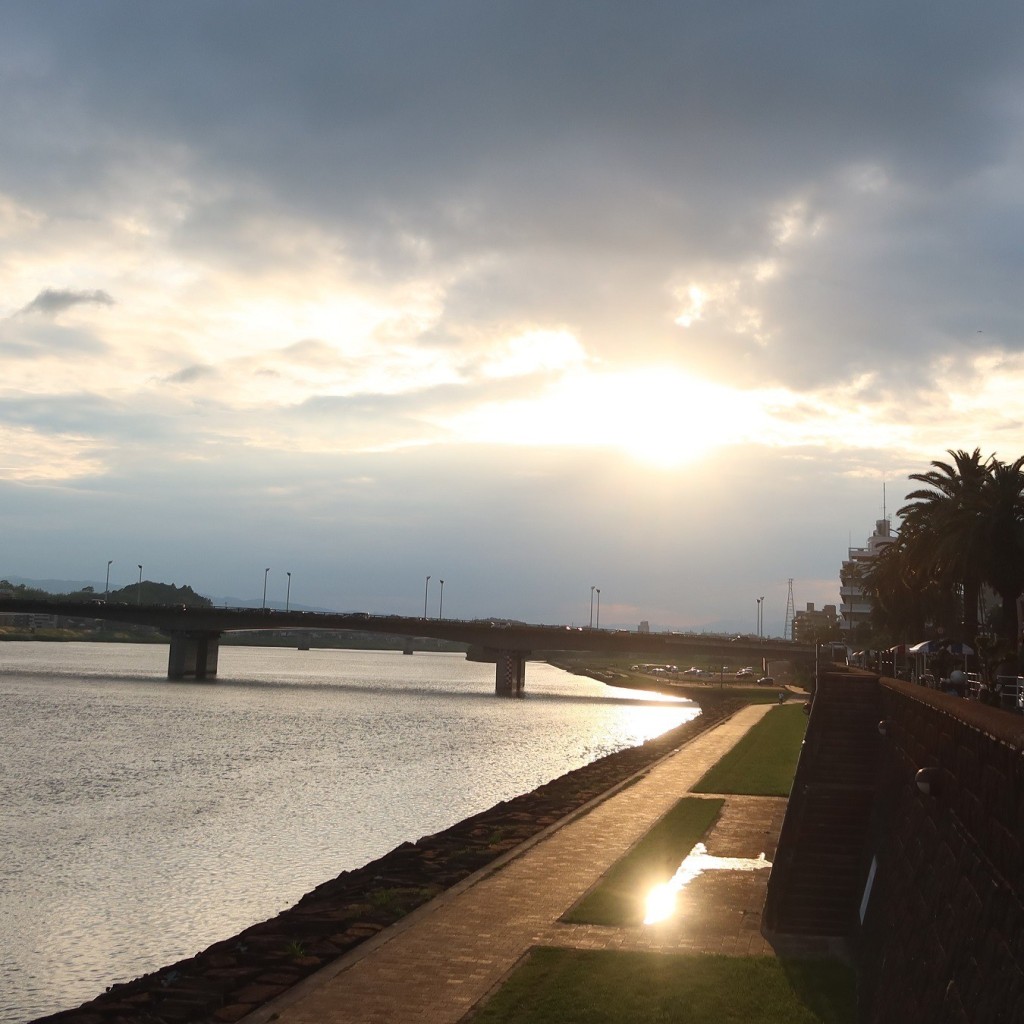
[144, 820]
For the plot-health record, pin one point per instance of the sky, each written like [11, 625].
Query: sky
[666, 299]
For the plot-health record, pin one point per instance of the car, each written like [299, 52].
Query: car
[744, 673]
[766, 681]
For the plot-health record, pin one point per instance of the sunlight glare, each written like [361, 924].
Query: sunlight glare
[659, 415]
[660, 903]
[535, 351]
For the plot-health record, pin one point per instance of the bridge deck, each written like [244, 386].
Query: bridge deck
[489, 634]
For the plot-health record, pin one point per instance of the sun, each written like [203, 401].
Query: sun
[659, 415]
[665, 417]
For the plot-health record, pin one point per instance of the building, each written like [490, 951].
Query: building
[815, 624]
[855, 609]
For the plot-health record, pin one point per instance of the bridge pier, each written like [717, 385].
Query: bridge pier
[193, 655]
[510, 673]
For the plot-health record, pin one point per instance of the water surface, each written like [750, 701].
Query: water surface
[145, 819]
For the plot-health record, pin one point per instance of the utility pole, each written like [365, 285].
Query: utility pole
[787, 629]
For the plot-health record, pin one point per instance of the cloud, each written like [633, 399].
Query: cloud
[52, 301]
[192, 374]
[575, 175]
[451, 273]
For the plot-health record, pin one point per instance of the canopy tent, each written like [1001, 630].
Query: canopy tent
[934, 646]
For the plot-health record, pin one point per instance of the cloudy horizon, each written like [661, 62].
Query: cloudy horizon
[532, 298]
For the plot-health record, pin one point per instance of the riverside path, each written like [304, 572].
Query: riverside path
[435, 965]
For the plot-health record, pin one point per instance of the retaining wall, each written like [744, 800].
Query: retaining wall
[942, 934]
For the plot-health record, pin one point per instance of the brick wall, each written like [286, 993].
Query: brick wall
[942, 939]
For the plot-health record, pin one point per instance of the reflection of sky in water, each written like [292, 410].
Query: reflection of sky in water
[661, 900]
[145, 819]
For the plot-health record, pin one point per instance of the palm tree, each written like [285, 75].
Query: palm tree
[953, 545]
[999, 510]
[905, 594]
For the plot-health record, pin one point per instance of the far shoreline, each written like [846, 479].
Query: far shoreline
[703, 693]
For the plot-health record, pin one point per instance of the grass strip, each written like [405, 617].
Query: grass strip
[618, 899]
[764, 761]
[570, 986]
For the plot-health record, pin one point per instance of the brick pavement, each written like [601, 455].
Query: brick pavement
[435, 965]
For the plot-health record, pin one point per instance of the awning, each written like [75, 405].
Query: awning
[934, 646]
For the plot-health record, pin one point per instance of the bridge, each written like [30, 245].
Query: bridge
[195, 633]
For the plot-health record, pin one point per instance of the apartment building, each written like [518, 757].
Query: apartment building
[856, 605]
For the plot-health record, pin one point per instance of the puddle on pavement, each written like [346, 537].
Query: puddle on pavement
[661, 900]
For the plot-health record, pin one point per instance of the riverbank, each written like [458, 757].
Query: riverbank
[704, 692]
[235, 976]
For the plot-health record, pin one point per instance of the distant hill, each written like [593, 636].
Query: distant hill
[147, 592]
[54, 586]
[152, 593]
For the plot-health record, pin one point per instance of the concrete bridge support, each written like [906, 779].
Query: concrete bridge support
[193, 655]
[510, 674]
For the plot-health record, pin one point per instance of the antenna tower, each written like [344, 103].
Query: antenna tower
[787, 629]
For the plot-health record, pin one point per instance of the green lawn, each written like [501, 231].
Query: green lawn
[618, 899]
[764, 761]
[566, 986]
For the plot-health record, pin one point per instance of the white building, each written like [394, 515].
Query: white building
[856, 605]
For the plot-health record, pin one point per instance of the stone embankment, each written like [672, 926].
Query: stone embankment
[234, 977]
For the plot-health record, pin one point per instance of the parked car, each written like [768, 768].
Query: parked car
[745, 673]
[766, 681]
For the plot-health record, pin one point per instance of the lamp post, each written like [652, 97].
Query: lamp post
[266, 572]
[760, 617]
[598, 589]
[288, 593]
[425, 585]
[440, 601]
[139, 595]
[106, 586]
[592, 607]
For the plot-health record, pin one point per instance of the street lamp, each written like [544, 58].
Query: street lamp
[440, 602]
[592, 607]
[288, 594]
[106, 586]
[266, 572]
[425, 585]
[760, 617]
[598, 589]
[139, 595]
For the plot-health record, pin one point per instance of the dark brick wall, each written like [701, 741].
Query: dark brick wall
[943, 936]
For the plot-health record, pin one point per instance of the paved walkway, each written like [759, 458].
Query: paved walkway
[435, 965]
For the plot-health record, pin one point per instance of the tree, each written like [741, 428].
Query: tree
[966, 529]
[905, 594]
[952, 544]
[999, 510]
